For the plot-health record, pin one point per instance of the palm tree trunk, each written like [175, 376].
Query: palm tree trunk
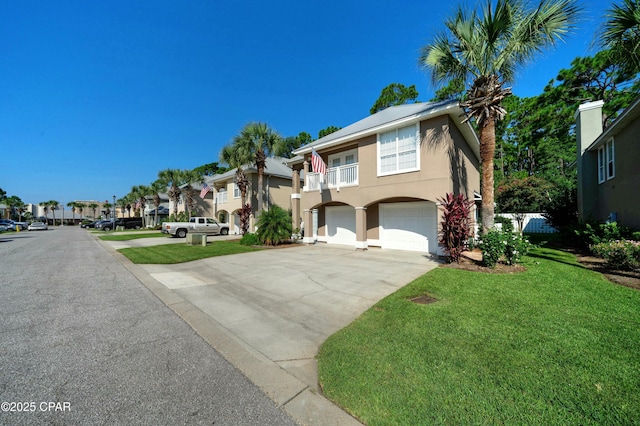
[487, 151]
[260, 190]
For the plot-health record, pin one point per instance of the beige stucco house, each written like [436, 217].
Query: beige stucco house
[224, 201]
[385, 174]
[608, 173]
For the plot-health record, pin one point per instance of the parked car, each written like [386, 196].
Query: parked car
[91, 224]
[196, 224]
[8, 225]
[3, 228]
[38, 226]
[22, 225]
[125, 222]
[99, 224]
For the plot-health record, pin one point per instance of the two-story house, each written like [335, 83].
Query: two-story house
[608, 176]
[226, 202]
[385, 174]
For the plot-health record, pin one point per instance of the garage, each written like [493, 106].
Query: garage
[409, 226]
[341, 225]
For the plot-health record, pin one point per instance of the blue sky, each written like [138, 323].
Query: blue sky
[98, 96]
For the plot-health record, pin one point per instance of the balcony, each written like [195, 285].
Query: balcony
[337, 177]
[221, 197]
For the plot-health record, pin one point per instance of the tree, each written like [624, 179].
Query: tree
[45, 208]
[327, 131]
[210, 169]
[190, 177]
[172, 178]
[81, 207]
[286, 146]
[156, 188]
[53, 205]
[456, 224]
[73, 206]
[139, 193]
[520, 196]
[274, 226]
[487, 49]
[621, 34]
[107, 208]
[93, 207]
[13, 203]
[454, 90]
[254, 144]
[394, 94]
[234, 158]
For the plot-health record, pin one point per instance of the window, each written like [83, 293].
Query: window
[236, 191]
[398, 151]
[343, 158]
[606, 162]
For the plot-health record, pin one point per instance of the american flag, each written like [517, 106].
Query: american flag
[317, 164]
[205, 190]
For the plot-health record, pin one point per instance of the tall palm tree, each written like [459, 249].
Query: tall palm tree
[73, 206]
[139, 193]
[81, 207]
[45, 207]
[255, 143]
[190, 177]
[53, 205]
[93, 207]
[172, 178]
[486, 49]
[234, 158]
[621, 33]
[156, 188]
[107, 208]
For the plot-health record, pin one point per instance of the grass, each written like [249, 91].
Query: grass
[126, 237]
[557, 344]
[178, 253]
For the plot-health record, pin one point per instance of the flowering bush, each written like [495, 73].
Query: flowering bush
[620, 254]
[496, 244]
[455, 226]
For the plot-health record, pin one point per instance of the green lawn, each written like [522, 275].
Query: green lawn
[557, 344]
[178, 253]
[126, 237]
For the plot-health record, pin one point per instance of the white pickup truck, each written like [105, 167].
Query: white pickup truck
[204, 225]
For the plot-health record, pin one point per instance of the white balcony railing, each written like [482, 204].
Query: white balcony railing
[221, 197]
[337, 177]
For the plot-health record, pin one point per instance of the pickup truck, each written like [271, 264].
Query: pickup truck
[204, 225]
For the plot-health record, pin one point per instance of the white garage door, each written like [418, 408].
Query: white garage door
[341, 225]
[409, 226]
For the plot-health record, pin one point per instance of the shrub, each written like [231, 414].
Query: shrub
[274, 226]
[249, 239]
[181, 217]
[621, 254]
[492, 245]
[516, 246]
[455, 225]
[592, 233]
[507, 224]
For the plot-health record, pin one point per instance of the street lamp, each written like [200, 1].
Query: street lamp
[114, 213]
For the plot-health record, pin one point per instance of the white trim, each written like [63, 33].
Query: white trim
[374, 242]
[361, 244]
[417, 149]
[308, 240]
[296, 196]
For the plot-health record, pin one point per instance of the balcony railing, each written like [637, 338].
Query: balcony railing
[221, 197]
[337, 177]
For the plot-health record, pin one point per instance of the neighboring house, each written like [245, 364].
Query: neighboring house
[225, 198]
[384, 177]
[608, 172]
[202, 207]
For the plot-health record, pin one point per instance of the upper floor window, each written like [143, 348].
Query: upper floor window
[343, 158]
[606, 162]
[398, 151]
[236, 191]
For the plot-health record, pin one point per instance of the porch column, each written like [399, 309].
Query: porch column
[307, 218]
[306, 173]
[361, 228]
[295, 199]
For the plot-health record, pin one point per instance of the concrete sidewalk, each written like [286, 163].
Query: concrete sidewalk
[268, 312]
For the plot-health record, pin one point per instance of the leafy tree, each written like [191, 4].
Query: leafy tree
[456, 224]
[621, 34]
[274, 226]
[525, 195]
[172, 178]
[327, 131]
[209, 169]
[486, 49]
[394, 94]
[453, 90]
[286, 146]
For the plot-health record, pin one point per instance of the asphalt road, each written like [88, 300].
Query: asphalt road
[82, 341]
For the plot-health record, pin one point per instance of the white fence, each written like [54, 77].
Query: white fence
[533, 223]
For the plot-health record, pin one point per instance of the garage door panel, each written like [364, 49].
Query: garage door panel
[341, 225]
[409, 226]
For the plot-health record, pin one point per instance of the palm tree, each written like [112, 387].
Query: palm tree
[621, 33]
[255, 143]
[487, 49]
[172, 178]
[156, 188]
[234, 158]
[53, 204]
[139, 193]
[45, 207]
[107, 208]
[93, 207]
[189, 177]
[81, 207]
[73, 206]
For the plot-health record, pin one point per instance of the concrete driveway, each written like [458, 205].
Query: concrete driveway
[271, 310]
